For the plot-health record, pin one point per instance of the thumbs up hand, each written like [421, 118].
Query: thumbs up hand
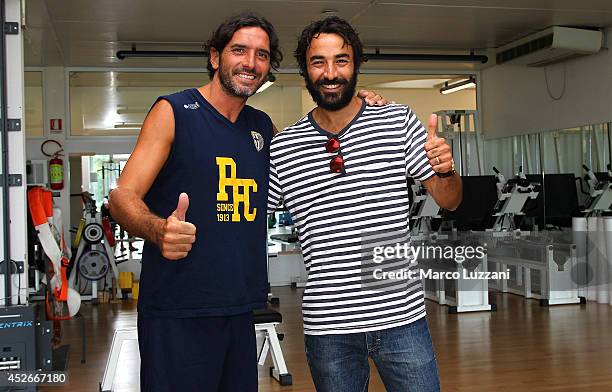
[437, 150]
[178, 235]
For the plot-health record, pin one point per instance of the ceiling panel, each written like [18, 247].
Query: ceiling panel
[88, 33]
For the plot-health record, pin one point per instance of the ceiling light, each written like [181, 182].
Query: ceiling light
[451, 88]
[131, 110]
[412, 83]
[268, 83]
[124, 125]
[329, 12]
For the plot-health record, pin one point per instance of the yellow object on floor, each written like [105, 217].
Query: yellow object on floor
[125, 280]
[135, 288]
[79, 233]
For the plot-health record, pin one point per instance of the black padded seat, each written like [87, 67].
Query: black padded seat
[262, 316]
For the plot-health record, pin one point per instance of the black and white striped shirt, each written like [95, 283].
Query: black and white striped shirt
[336, 213]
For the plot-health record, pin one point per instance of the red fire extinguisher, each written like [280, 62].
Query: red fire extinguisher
[56, 165]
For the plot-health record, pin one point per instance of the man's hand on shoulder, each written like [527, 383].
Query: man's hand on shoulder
[373, 99]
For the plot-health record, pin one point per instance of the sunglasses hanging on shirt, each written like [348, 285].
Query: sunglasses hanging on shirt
[336, 164]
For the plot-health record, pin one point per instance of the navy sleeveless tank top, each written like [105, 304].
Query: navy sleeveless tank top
[223, 167]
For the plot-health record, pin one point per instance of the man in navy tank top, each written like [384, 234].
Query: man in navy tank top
[195, 188]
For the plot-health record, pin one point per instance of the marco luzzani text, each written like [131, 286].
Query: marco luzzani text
[458, 254]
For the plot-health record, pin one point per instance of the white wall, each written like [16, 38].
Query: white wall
[282, 104]
[53, 92]
[422, 101]
[515, 100]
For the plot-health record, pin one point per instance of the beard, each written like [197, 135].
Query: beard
[230, 86]
[332, 101]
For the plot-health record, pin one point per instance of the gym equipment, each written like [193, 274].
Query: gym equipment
[94, 257]
[26, 341]
[549, 258]
[557, 204]
[511, 198]
[600, 193]
[461, 294]
[423, 209]
[285, 261]
[479, 198]
[93, 264]
[62, 300]
[541, 263]
[119, 337]
[593, 238]
[460, 129]
[93, 232]
[265, 321]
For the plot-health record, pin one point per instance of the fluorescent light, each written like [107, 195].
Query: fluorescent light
[268, 83]
[451, 88]
[412, 83]
[131, 110]
[264, 86]
[124, 125]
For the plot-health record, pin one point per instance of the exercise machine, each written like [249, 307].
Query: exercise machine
[461, 130]
[265, 323]
[423, 209]
[511, 198]
[544, 266]
[600, 193]
[460, 294]
[94, 256]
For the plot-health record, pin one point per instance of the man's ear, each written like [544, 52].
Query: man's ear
[214, 58]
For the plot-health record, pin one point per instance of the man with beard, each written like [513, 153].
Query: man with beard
[341, 171]
[204, 145]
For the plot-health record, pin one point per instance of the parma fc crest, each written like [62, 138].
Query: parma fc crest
[258, 140]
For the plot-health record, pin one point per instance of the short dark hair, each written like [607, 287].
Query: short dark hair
[224, 33]
[329, 25]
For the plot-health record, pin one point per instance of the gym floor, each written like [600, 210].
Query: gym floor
[522, 346]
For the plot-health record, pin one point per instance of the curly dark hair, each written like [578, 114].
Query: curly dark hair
[329, 25]
[224, 33]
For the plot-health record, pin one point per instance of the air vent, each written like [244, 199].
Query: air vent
[550, 46]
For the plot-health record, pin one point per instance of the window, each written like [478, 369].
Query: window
[33, 104]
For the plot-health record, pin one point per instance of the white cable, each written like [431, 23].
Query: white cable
[548, 85]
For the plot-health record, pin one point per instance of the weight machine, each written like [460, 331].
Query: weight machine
[512, 195]
[461, 130]
[423, 209]
[94, 242]
[600, 193]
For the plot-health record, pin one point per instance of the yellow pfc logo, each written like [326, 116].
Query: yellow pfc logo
[237, 184]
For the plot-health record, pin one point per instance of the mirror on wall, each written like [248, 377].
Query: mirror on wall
[557, 162]
[552, 152]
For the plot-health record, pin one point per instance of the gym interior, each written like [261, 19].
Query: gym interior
[523, 94]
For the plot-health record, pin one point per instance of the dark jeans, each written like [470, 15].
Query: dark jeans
[403, 355]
